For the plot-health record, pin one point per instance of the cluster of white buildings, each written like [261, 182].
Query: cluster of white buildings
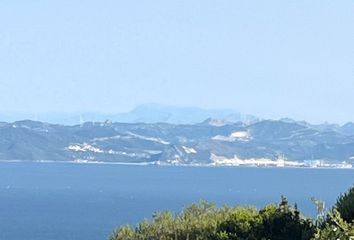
[280, 162]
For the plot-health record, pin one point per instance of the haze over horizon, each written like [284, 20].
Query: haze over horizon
[272, 59]
[146, 112]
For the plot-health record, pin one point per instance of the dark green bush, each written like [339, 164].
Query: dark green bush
[345, 205]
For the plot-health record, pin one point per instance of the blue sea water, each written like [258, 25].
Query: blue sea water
[56, 201]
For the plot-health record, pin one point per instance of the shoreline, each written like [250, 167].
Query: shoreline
[157, 164]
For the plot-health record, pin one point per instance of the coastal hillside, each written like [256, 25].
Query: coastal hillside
[212, 142]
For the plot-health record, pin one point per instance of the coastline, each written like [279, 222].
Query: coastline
[164, 164]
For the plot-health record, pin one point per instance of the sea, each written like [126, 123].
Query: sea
[68, 201]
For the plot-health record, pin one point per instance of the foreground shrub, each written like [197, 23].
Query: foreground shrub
[345, 205]
[204, 221]
[124, 233]
[276, 223]
[335, 228]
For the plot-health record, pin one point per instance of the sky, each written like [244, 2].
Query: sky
[269, 58]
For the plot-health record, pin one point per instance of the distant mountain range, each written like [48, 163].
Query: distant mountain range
[147, 113]
[228, 141]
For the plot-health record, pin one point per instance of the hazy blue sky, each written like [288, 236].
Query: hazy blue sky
[268, 58]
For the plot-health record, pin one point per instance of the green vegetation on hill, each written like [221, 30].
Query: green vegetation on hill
[205, 221]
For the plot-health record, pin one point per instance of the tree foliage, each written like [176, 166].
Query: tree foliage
[336, 228]
[345, 205]
[205, 221]
[339, 224]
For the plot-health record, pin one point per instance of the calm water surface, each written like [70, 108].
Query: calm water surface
[56, 201]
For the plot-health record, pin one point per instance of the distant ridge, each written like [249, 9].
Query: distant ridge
[211, 142]
[147, 113]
